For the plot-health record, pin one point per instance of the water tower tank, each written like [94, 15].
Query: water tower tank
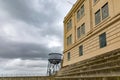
[55, 58]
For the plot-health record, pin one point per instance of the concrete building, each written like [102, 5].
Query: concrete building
[91, 30]
[92, 27]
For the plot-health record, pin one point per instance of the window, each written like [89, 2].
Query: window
[69, 40]
[95, 1]
[69, 25]
[81, 30]
[102, 40]
[97, 17]
[68, 56]
[101, 14]
[80, 12]
[78, 32]
[105, 11]
[81, 50]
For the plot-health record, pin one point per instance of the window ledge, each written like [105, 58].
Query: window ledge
[82, 36]
[102, 22]
[68, 31]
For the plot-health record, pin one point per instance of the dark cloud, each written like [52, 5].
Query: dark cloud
[20, 9]
[43, 20]
[24, 50]
[29, 31]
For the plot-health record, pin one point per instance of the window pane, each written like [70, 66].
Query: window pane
[78, 14]
[97, 17]
[102, 39]
[95, 1]
[78, 32]
[105, 11]
[68, 56]
[69, 25]
[83, 29]
[82, 10]
[81, 50]
[69, 40]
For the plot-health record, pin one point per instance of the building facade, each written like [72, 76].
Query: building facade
[91, 28]
[91, 41]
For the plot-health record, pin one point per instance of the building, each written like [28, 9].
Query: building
[91, 30]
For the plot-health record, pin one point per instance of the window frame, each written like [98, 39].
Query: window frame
[78, 32]
[69, 40]
[102, 16]
[81, 31]
[81, 50]
[95, 1]
[96, 17]
[102, 40]
[69, 25]
[102, 9]
[80, 12]
[68, 56]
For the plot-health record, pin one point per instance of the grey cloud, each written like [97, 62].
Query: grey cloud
[20, 9]
[10, 49]
[23, 50]
[19, 66]
[33, 26]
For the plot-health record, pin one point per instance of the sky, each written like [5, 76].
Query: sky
[29, 31]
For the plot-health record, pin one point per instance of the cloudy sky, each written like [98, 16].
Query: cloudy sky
[29, 30]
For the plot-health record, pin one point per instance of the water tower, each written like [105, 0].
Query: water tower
[54, 63]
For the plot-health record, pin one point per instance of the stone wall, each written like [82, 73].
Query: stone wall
[27, 78]
[102, 67]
